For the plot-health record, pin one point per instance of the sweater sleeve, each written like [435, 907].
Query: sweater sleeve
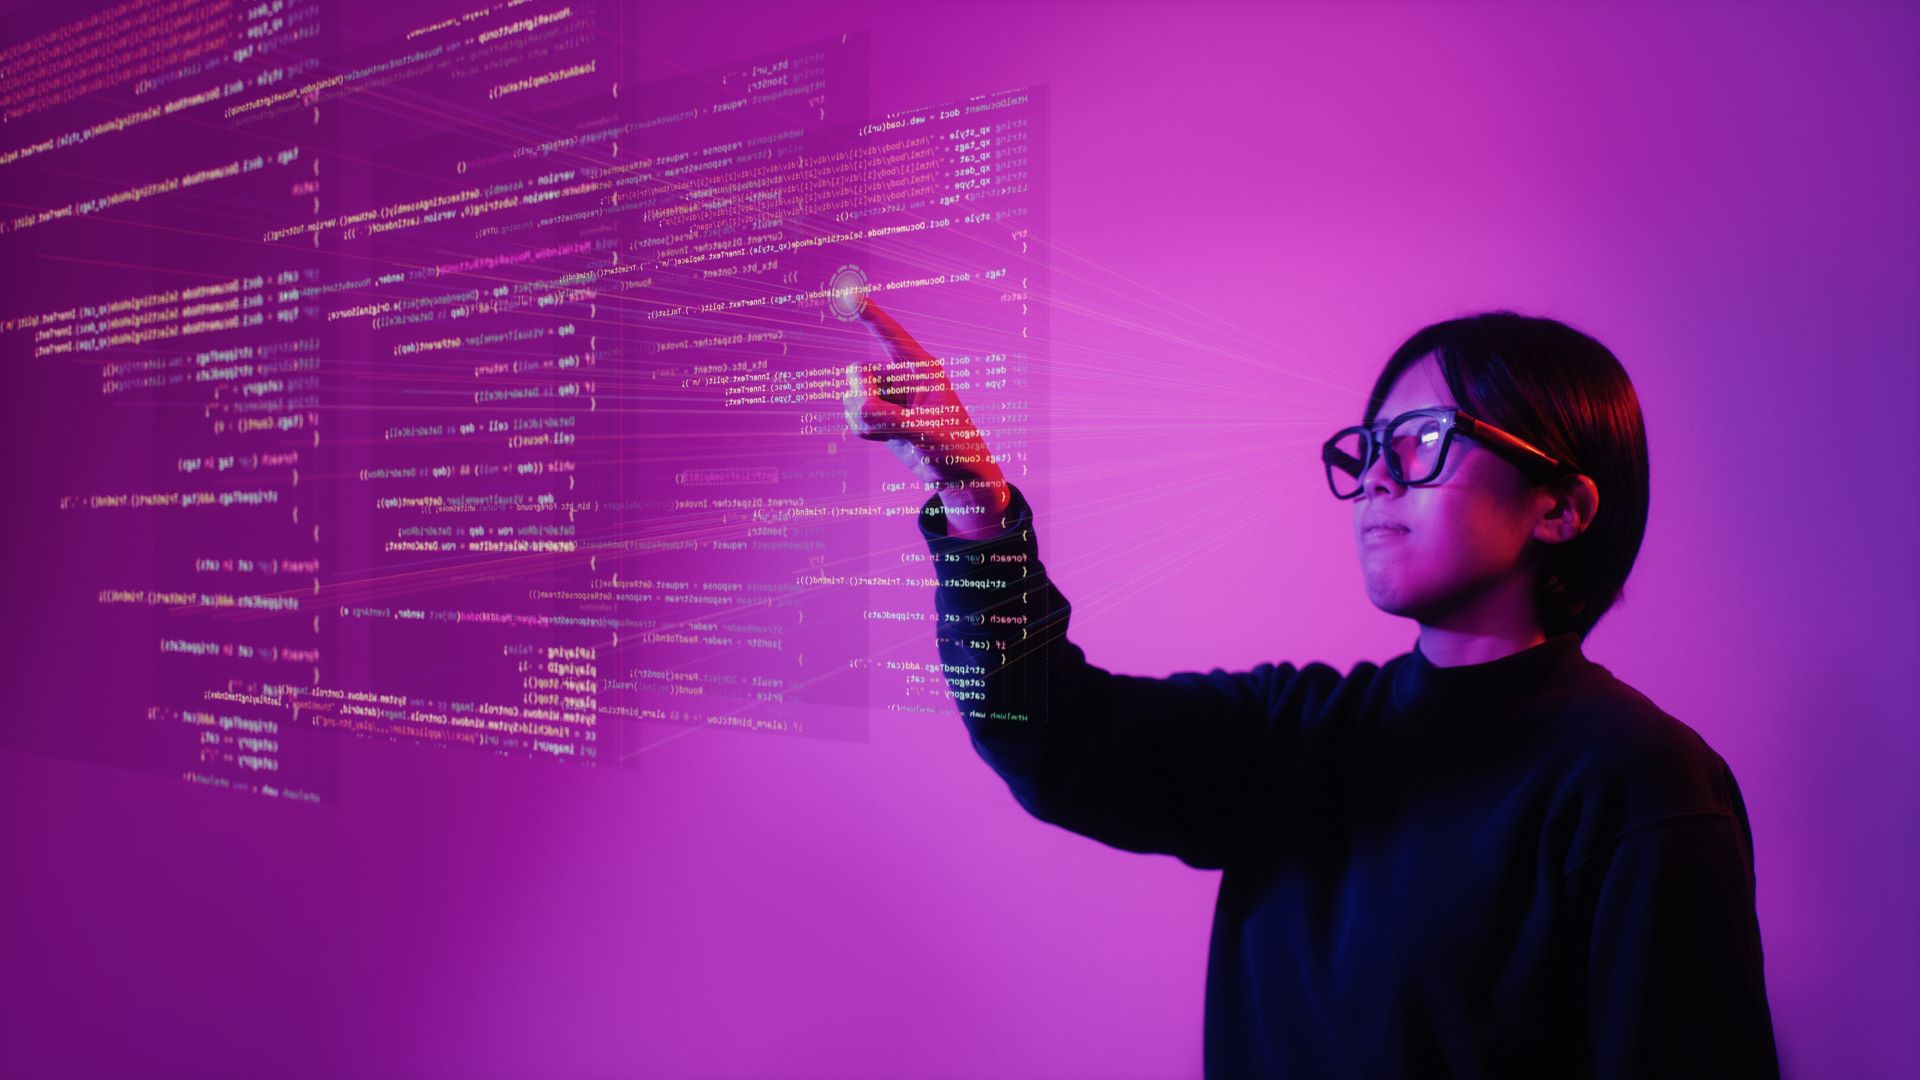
[1675, 984]
[1161, 766]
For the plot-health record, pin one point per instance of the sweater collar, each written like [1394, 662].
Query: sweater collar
[1493, 684]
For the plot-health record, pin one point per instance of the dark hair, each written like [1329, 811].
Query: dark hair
[1567, 394]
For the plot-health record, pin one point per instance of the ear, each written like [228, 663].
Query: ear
[1568, 507]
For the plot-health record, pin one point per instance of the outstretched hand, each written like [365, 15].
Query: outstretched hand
[909, 404]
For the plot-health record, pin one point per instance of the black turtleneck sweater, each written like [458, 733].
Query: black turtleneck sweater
[1519, 868]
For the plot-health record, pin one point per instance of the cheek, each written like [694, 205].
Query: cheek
[1463, 534]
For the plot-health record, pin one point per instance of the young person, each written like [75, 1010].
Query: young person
[1485, 857]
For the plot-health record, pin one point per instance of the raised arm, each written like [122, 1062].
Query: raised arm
[1172, 766]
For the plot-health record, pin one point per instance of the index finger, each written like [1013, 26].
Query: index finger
[898, 341]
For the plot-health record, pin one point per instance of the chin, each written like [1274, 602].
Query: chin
[1395, 602]
[1388, 602]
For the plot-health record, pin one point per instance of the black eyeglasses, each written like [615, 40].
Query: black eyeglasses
[1420, 440]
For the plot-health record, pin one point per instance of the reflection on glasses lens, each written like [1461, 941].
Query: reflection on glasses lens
[1417, 442]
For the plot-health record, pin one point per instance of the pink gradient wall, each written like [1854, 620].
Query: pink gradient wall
[1251, 206]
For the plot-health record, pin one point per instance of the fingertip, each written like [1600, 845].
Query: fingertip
[881, 323]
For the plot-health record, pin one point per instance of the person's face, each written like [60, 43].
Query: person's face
[1448, 548]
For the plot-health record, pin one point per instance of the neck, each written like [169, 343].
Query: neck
[1497, 620]
[1453, 647]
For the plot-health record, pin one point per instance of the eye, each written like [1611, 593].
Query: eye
[1419, 433]
[1418, 445]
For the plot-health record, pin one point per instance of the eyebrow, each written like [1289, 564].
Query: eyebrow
[1383, 416]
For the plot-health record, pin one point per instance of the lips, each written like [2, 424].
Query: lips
[1381, 532]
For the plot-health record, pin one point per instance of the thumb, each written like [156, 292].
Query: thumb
[861, 381]
[869, 415]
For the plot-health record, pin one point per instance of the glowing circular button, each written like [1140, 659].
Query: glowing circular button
[847, 292]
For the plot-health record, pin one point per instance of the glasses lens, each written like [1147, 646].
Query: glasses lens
[1346, 458]
[1417, 442]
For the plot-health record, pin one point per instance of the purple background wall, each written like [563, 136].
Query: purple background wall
[1250, 207]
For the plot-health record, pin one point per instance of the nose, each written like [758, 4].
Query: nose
[1378, 478]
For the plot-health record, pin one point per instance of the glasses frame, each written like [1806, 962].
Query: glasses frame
[1536, 463]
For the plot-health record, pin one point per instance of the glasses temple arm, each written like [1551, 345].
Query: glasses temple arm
[1487, 433]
